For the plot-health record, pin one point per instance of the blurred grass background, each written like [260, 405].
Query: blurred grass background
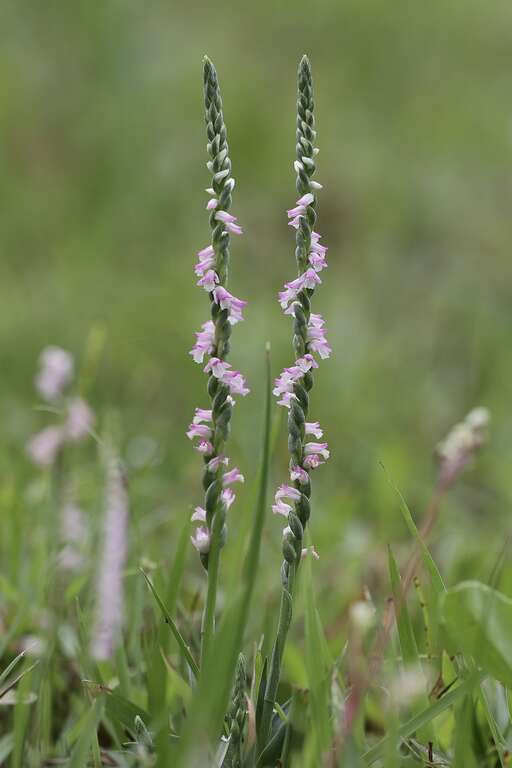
[103, 171]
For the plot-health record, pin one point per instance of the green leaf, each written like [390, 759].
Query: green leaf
[6, 747]
[478, 622]
[87, 736]
[427, 715]
[428, 560]
[318, 666]
[408, 646]
[177, 634]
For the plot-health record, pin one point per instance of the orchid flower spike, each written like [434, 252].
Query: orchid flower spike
[210, 426]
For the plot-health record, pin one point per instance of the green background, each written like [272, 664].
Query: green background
[102, 212]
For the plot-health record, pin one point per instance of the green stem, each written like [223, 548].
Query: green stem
[208, 622]
[285, 615]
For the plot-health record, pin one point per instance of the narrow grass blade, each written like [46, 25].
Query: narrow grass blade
[478, 622]
[318, 667]
[427, 716]
[409, 648]
[428, 560]
[87, 736]
[177, 634]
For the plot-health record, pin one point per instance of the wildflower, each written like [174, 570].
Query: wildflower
[55, 373]
[201, 539]
[199, 515]
[233, 476]
[45, 445]
[80, 419]
[208, 281]
[287, 492]
[216, 462]
[227, 301]
[461, 444]
[73, 531]
[205, 342]
[313, 428]
[210, 426]
[298, 474]
[109, 600]
[206, 260]
[293, 386]
[202, 414]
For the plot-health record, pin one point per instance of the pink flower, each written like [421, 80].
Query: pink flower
[235, 229]
[226, 218]
[205, 342]
[56, 372]
[206, 260]
[202, 414]
[204, 447]
[299, 474]
[201, 539]
[321, 449]
[308, 279]
[287, 492]
[234, 476]
[45, 445]
[316, 321]
[110, 598]
[317, 261]
[316, 336]
[199, 515]
[80, 420]
[291, 291]
[229, 222]
[236, 383]
[281, 508]
[227, 301]
[228, 497]
[285, 381]
[313, 461]
[315, 454]
[199, 430]
[232, 379]
[286, 399]
[306, 363]
[211, 204]
[208, 281]
[311, 279]
[217, 367]
[313, 428]
[216, 462]
[300, 209]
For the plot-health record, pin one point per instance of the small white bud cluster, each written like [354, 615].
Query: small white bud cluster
[462, 442]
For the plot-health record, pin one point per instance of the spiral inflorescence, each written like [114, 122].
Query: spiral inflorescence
[211, 426]
[295, 383]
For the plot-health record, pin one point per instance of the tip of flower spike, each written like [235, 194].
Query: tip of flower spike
[305, 66]
[208, 69]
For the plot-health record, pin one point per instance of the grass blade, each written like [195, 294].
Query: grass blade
[427, 716]
[177, 634]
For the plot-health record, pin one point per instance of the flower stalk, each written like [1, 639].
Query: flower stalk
[294, 384]
[211, 426]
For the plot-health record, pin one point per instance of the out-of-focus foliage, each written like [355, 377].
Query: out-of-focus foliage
[102, 211]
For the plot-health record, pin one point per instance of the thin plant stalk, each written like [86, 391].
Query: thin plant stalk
[295, 383]
[211, 426]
